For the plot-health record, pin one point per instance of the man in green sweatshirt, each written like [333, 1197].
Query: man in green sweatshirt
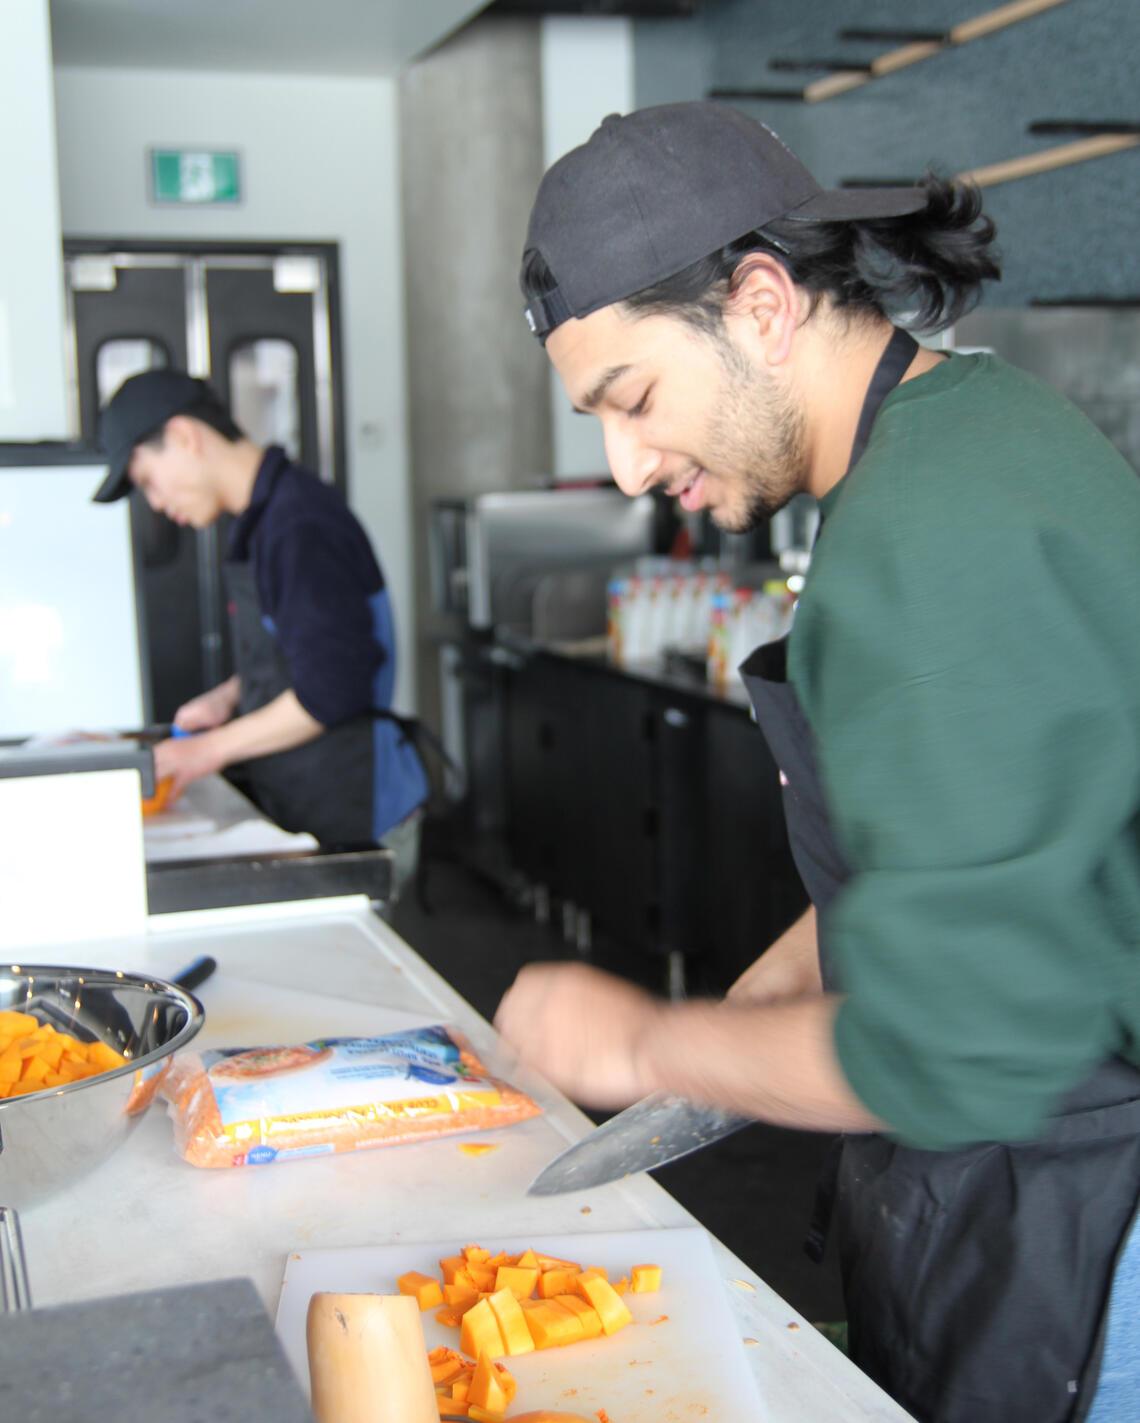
[956, 716]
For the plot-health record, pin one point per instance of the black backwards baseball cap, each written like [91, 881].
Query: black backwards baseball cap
[139, 409]
[653, 191]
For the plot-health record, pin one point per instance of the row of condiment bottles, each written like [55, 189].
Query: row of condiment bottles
[693, 611]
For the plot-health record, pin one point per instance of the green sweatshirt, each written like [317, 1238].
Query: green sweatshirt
[967, 652]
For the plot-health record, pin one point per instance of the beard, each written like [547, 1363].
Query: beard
[755, 444]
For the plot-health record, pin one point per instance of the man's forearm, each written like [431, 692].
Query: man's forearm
[773, 1061]
[788, 969]
[278, 726]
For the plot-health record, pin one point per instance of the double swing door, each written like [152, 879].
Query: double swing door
[261, 326]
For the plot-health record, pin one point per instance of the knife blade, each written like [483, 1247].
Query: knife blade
[658, 1129]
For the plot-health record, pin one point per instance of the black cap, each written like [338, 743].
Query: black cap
[140, 408]
[656, 190]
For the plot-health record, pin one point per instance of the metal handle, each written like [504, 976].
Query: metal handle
[13, 1268]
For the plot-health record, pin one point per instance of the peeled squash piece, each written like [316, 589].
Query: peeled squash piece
[544, 1415]
[368, 1361]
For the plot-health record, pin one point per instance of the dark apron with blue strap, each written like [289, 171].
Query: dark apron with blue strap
[976, 1280]
[323, 787]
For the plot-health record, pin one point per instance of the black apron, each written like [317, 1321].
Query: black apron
[323, 787]
[976, 1280]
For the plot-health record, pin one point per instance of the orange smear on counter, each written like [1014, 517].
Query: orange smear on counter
[476, 1148]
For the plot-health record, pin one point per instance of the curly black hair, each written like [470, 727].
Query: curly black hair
[927, 267]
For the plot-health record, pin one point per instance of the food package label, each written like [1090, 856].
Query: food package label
[410, 1074]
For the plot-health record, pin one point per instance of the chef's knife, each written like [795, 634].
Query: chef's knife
[658, 1129]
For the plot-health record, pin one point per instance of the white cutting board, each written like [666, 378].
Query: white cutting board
[690, 1366]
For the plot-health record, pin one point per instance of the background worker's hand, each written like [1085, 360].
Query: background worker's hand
[186, 760]
[211, 709]
[582, 1029]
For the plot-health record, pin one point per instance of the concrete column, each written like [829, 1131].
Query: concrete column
[33, 383]
[478, 382]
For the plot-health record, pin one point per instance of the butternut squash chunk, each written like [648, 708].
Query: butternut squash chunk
[587, 1315]
[556, 1282]
[512, 1324]
[480, 1333]
[518, 1279]
[422, 1288]
[610, 1306]
[551, 1324]
[486, 1388]
[644, 1279]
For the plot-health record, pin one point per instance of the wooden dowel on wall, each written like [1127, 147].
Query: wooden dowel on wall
[1059, 157]
[895, 59]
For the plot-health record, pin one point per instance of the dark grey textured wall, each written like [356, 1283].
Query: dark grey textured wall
[1068, 234]
[479, 393]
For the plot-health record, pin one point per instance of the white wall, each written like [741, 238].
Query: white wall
[319, 163]
[33, 387]
[587, 73]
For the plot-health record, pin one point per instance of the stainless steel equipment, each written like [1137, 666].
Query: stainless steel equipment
[497, 558]
[52, 1137]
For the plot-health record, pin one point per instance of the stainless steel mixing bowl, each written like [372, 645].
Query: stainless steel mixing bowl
[50, 1138]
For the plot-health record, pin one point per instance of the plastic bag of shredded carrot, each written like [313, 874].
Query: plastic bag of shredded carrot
[250, 1106]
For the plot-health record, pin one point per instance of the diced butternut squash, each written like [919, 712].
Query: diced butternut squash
[39, 1057]
[644, 1279]
[558, 1281]
[611, 1308]
[486, 1388]
[16, 1025]
[552, 1262]
[459, 1295]
[445, 1364]
[476, 1253]
[528, 1260]
[449, 1266]
[508, 1382]
[518, 1279]
[587, 1315]
[423, 1289]
[512, 1324]
[551, 1325]
[479, 1332]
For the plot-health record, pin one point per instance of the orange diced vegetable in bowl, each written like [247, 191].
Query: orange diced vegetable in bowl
[35, 1057]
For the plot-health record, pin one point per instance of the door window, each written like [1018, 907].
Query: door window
[116, 360]
[265, 393]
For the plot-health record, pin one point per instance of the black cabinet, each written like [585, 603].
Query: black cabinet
[654, 808]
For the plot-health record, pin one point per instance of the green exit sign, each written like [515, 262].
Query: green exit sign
[194, 176]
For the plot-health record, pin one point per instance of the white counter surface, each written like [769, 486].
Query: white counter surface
[213, 820]
[146, 1218]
